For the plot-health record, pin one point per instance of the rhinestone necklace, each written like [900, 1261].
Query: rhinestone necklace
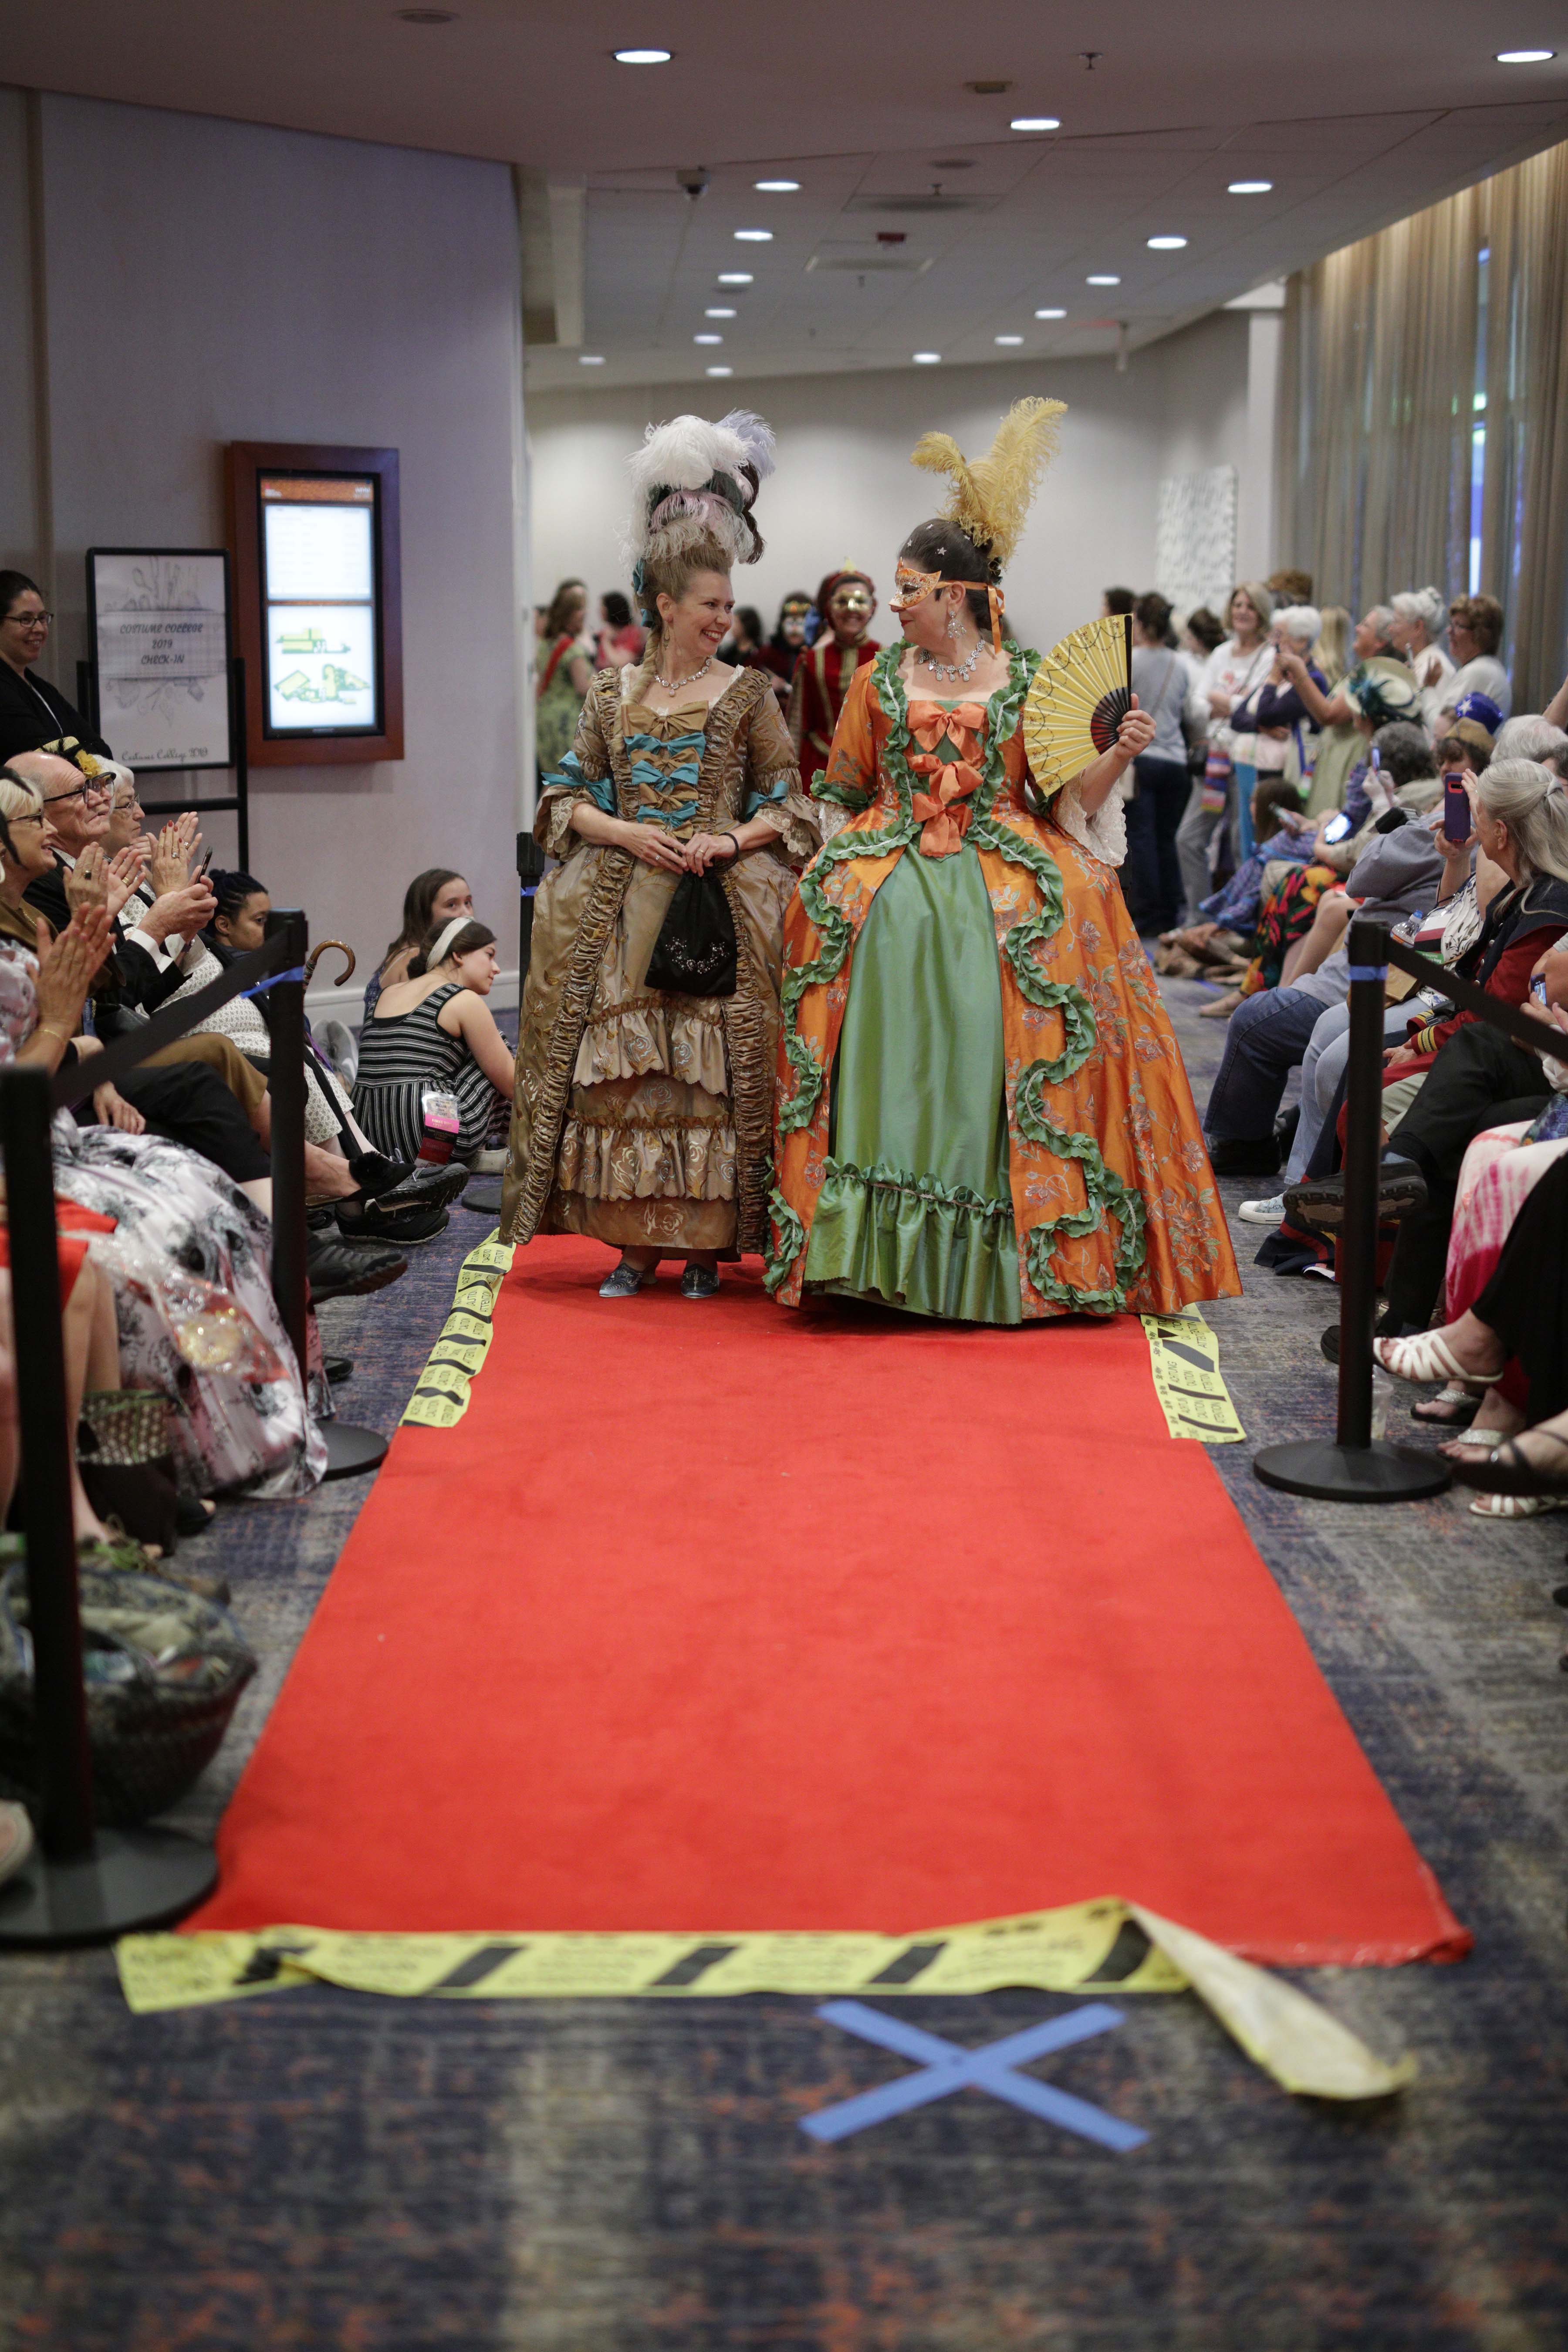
[674, 685]
[950, 669]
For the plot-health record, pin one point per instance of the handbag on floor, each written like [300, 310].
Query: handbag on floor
[695, 953]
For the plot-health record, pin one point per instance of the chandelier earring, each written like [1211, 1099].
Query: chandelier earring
[952, 614]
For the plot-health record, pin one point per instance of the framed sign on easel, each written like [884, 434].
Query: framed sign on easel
[315, 534]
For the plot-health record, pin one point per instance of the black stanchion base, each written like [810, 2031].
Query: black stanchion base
[132, 1878]
[485, 1199]
[1379, 1473]
[351, 1451]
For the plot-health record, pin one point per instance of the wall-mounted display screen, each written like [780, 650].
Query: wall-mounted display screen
[319, 603]
[317, 544]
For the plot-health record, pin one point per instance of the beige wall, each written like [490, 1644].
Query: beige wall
[845, 487]
[212, 281]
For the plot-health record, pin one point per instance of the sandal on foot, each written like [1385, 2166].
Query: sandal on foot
[1427, 1356]
[1516, 1506]
[1509, 1474]
[1454, 1407]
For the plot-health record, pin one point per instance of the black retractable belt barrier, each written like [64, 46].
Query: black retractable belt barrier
[349, 1450]
[1356, 1468]
[485, 1199]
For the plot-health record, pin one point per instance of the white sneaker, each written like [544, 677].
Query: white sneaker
[1262, 1213]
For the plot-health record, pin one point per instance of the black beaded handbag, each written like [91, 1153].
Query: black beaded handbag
[695, 953]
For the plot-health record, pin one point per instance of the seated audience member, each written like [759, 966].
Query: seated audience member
[1474, 633]
[1163, 681]
[1464, 743]
[179, 1241]
[1420, 618]
[1528, 737]
[1397, 874]
[434, 1033]
[1229, 915]
[1472, 1076]
[31, 712]
[618, 640]
[1511, 1344]
[431, 899]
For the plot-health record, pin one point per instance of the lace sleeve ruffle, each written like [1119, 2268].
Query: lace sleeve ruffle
[1103, 834]
[797, 823]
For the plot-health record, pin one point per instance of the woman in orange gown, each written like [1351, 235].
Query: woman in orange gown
[983, 1112]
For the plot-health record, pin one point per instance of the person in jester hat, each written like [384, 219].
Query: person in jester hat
[982, 1113]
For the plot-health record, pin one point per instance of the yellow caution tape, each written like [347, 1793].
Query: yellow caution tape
[440, 1397]
[1101, 1946]
[1183, 1356]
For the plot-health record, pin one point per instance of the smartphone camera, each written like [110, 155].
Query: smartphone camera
[1456, 826]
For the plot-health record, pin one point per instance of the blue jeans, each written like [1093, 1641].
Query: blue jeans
[1151, 877]
[1267, 1035]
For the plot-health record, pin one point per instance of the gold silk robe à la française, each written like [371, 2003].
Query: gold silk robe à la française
[641, 1117]
[1110, 1200]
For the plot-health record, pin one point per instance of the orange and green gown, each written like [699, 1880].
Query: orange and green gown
[983, 1112]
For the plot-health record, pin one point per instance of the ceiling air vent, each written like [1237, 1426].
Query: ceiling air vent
[932, 201]
[869, 265]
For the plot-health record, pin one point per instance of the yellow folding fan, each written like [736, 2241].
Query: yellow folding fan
[1080, 695]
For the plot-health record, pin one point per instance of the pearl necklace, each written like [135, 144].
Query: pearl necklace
[950, 669]
[674, 685]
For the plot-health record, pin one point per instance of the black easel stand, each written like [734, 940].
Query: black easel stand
[84, 1884]
[1356, 1468]
[485, 1199]
[349, 1450]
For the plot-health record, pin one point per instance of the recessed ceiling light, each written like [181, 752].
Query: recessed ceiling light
[642, 57]
[1250, 187]
[1007, 339]
[1525, 57]
[754, 236]
[717, 311]
[1102, 279]
[707, 339]
[735, 277]
[721, 371]
[926, 359]
[1033, 122]
[777, 187]
[1050, 314]
[590, 359]
[1166, 244]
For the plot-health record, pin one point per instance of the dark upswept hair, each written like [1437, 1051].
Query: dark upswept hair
[231, 888]
[940, 547]
[472, 935]
[1207, 627]
[1119, 599]
[568, 593]
[417, 901]
[1153, 612]
[617, 609]
[13, 584]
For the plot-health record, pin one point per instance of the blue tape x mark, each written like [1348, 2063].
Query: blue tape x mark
[948, 2066]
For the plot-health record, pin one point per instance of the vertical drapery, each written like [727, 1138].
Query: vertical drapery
[1391, 361]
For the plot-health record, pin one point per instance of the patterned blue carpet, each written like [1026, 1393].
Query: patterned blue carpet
[316, 2169]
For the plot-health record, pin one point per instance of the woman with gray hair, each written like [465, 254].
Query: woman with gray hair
[1420, 617]
[1274, 710]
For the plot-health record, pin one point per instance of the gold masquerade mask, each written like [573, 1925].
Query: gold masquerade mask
[912, 587]
[850, 600]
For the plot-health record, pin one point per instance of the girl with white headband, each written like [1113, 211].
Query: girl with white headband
[431, 1057]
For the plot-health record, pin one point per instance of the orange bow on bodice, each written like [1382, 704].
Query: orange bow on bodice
[943, 810]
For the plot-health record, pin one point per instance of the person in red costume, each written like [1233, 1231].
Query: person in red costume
[847, 600]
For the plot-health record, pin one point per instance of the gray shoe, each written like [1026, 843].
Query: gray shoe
[626, 1281]
[700, 1282]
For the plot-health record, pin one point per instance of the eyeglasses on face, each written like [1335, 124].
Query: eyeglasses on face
[29, 620]
[95, 788]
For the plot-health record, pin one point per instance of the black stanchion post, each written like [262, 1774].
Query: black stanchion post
[485, 1199]
[1358, 1468]
[349, 1450]
[65, 1769]
[82, 1887]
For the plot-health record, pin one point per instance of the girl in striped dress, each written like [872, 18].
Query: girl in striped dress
[434, 1033]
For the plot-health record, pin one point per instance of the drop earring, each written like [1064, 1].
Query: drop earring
[952, 612]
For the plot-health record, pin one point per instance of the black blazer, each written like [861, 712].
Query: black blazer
[130, 983]
[33, 713]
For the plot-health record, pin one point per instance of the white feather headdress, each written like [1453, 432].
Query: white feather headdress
[693, 480]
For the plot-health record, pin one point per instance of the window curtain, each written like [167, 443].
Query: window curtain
[1396, 350]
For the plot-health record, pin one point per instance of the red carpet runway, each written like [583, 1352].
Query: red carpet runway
[715, 1616]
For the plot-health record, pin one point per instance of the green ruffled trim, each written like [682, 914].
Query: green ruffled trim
[783, 1250]
[883, 1179]
[848, 796]
[1107, 1195]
